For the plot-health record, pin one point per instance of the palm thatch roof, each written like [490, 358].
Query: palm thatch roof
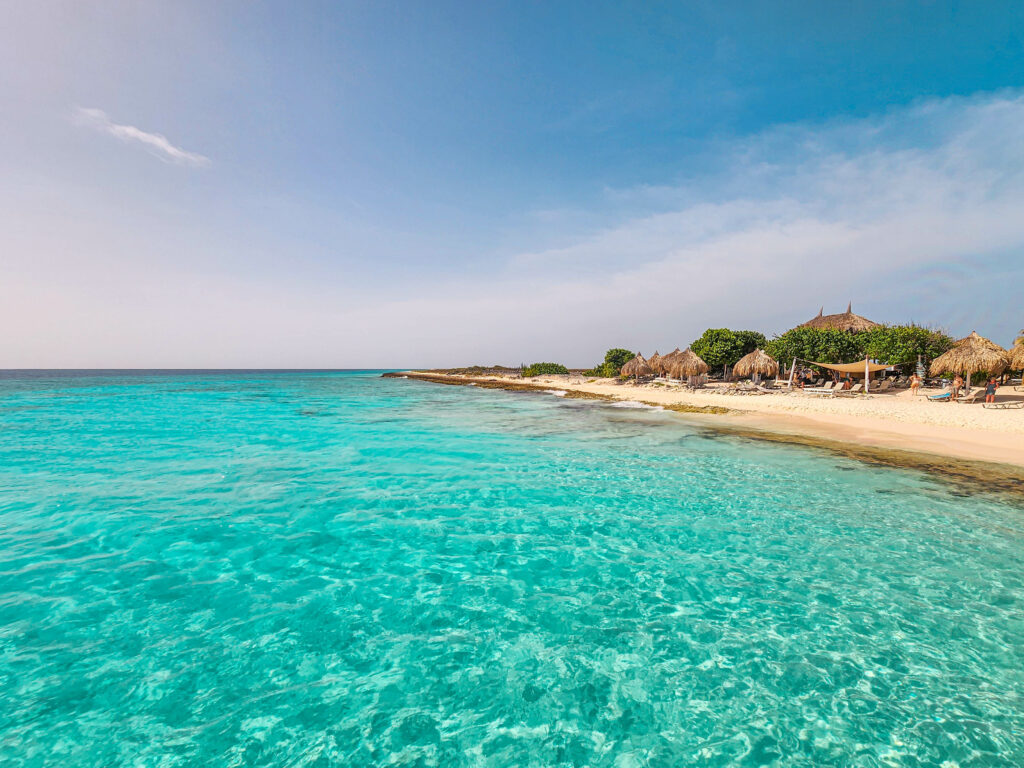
[667, 361]
[757, 361]
[686, 364]
[969, 355]
[845, 321]
[1015, 357]
[655, 362]
[637, 367]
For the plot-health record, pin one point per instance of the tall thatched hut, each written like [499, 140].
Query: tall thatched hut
[970, 355]
[844, 321]
[757, 363]
[637, 367]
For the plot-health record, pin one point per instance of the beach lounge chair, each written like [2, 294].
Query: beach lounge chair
[856, 389]
[942, 397]
[976, 396]
[1008, 405]
[828, 389]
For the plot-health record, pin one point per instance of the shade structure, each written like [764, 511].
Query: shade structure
[844, 321]
[667, 361]
[1015, 357]
[655, 362]
[687, 364]
[969, 355]
[637, 367]
[757, 362]
[856, 369]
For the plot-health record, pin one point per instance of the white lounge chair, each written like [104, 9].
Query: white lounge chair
[856, 389]
[828, 389]
[973, 397]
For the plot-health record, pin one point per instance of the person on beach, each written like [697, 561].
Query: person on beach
[990, 391]
[915, 384]
[958, 384]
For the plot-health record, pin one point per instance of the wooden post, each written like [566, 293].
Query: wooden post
[867, 376]
[792, 373]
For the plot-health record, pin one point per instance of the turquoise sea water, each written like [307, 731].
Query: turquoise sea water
[314, 569]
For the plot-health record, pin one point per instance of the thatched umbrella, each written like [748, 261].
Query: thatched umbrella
[844, 321]
[655, 362]
[757, 363]
[637, 367]
[1015, 357]
[969, 355]
[687, 364]
[667, 361]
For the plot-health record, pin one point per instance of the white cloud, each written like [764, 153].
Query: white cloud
[914, 215]
[156, 143]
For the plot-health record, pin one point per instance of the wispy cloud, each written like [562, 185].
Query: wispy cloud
[156, 143]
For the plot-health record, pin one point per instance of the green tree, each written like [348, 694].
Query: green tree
[614, 359]
[617, 358]
[901, 344]
[816, 344]
[542, 369]
[718, 347]
[750, 340]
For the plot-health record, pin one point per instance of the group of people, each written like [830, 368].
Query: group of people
[990, 388]
[805, 378]
[957, 385]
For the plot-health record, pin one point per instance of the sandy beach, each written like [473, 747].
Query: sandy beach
[894, 420]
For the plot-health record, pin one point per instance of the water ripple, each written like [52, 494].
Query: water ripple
[319, 569]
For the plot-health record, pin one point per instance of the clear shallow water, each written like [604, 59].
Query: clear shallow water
[334, 569]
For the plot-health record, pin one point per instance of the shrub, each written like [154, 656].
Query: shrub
[543, 369]
[614, 359]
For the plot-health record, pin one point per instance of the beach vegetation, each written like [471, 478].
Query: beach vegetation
[823, 345]
[890, 344]
[718, 347]
[614, 359]
[722, 346]
[544, 369]
[903, 344]
[750, 340]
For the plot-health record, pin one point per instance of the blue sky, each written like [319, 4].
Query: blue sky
[390, 184]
